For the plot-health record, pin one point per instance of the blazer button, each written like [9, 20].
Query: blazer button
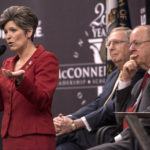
[27, 67]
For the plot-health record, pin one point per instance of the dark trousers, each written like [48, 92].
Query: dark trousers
[124, 144]
[77, 140]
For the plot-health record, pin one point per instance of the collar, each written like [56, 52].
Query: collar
[148, 71]
[11, 61]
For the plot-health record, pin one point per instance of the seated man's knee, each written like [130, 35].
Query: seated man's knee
[68, 146]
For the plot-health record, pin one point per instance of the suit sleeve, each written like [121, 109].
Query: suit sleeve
[96, 113]
[40, 92]
[88, 108]
[1, 99]
[100, 100]
[102, 116]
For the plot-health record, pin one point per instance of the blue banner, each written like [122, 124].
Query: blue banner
[124, 18]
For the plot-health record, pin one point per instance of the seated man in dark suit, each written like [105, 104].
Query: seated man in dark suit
[77, 131]
[139, 97]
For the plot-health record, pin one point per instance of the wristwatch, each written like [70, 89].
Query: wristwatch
[74, 127]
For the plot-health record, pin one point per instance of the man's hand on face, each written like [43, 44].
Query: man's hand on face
[129, 70]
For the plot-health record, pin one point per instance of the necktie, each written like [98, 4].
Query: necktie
[131, 109]
[144, 81]
[125, 125]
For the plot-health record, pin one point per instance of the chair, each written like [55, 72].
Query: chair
[106, 134]
[137, 128]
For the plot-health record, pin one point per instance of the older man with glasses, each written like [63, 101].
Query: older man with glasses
[77, 131]
[137, 99]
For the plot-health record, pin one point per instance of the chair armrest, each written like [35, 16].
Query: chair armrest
[136, 127]
[106, 134]
[138, 114]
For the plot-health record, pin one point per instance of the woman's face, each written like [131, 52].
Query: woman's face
[15, 36]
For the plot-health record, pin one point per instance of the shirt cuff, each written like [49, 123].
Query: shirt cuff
[123, 84]
[86, 124]
[118, 138]
[69, 115]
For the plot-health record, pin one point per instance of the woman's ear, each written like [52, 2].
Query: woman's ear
[29, 33]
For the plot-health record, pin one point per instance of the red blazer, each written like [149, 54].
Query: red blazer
[27, 107]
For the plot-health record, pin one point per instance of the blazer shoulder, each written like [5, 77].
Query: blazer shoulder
[8, 61]
[113, 75]
[48, 54]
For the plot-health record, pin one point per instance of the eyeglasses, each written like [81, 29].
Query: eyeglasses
[136, 44]
[115, 42]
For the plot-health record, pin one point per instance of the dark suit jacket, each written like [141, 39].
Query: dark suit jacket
[27, 107]
[98, 115]
[126, 99]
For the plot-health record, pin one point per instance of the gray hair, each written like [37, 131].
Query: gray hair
[125, 29]
[22, 16]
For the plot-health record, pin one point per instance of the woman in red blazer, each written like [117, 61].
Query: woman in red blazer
[27, 84]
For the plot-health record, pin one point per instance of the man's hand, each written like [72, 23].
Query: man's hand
[63, 124]
[58, 121]
[129, 70]
[18, 75]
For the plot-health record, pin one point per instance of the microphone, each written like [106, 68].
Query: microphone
[2, 49]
